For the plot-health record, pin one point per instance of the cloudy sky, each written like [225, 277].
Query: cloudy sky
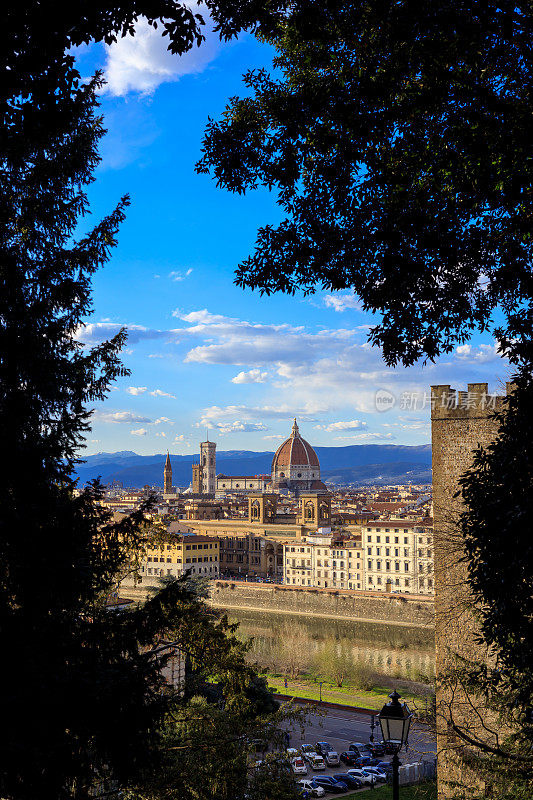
[203, 353]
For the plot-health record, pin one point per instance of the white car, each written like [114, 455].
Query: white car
[314, 791]
[307, 751]
[332, 759]
[377, 773]
[316, 762]
[298, 766]
[363, 776]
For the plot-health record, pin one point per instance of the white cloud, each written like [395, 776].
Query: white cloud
[233, 341]
[252, 376]
[340, 302]
[96, 332]
[202, 317]
[117, 417]
[237, 427]
[179, 437]
[366, 437]
[178, 276]
[163, 421]
[136, 390]
[482, 354]
[353, 425]
[139, 432]
[275, 436]
[214, 414]
[162, 434]
[161, 393]
[142, 62]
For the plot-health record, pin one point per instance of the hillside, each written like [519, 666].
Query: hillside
[356, 464]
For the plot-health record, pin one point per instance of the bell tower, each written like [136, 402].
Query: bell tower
[208, 467]
[167, 476]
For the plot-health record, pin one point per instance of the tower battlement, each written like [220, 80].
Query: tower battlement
[475, 403]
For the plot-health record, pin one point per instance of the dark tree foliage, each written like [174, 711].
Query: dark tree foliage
[398, 138]
[83, 694]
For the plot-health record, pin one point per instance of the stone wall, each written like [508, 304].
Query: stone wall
[461, 422]
[392, 609]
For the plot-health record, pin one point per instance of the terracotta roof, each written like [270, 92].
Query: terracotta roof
[295, 452]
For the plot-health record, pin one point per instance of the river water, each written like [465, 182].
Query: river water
[281, 641]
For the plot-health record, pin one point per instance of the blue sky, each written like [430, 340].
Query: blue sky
[202, 352]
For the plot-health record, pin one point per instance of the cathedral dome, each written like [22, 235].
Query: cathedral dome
[295, 463]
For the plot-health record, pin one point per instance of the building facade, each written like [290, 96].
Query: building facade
[324, 561]
[198, 555]
[241, 484]
[399, 556]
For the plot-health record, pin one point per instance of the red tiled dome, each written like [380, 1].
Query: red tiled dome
[295, 452]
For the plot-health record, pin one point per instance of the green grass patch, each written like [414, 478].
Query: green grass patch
[346, 695]
[422, 791]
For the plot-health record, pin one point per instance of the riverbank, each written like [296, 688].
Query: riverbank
[377, 608]
[350, 695]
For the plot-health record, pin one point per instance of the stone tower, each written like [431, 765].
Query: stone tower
[208, 465]
[167, 476]
[460, 423]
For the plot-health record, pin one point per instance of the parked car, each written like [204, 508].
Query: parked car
[313, 788]
[364, 777]
[351, 780]
[298, 766]
[360, 749]
[307, 750]
[349, 758]
[332, 758]
[316, 762]
[365, 761]
[385, 766]
[389, 747]
[379, 776]
[330, 784]
[322, 748]
[376, 748]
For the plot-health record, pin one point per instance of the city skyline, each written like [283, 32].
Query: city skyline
[202, 352]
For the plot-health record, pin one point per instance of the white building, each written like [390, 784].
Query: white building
[398, 556]
[324, 561]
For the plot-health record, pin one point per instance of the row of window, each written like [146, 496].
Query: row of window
[158, 571]
[397, 530]
[397, 539]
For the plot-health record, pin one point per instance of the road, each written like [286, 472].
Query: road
[340, 727]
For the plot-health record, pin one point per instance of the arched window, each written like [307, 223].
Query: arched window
[309, 511]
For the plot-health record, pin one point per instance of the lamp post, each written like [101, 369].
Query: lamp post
[395, 721]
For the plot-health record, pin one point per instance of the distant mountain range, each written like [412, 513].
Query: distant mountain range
[354, 464]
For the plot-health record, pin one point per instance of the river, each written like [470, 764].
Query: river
[285, 640]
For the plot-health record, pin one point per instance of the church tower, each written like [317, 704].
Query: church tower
[208, 466]
[167, 476]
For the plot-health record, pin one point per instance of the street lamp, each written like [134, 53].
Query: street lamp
[395, 721]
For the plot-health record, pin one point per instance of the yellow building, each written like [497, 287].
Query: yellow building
[198, 555]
